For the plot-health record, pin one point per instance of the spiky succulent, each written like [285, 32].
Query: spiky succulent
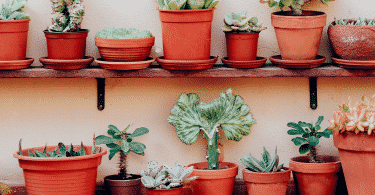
[265, 164]
[122, 33]
[296, 6]
[353, 22]
[242, 23]
[67, 15]
[13, 10]
[187, 4]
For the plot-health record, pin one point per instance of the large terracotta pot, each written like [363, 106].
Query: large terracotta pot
[66, 46]
[175, 191]
[60, 176]
[298, 36]
[218, 182]
[13, 39]
[266, 183]
[242, 46]
[115, 186]
[186, 34]
[357, 154]
[315, 178]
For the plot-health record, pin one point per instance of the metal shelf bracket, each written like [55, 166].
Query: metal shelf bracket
[101, 93]
[313, 92]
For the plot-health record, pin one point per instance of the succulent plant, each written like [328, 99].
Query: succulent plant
[67, 15]
[240, 22]
[5, 189]
[163, 177]
[13, 10]
[353, 22]
[187, 4]
[266, 164]
[296, 6]
[122, 33]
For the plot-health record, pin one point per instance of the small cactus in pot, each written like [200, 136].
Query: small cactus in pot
[67, 15]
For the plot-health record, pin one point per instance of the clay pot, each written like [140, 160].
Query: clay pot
[218, 182]
[124, 49]
[116, 186]
[315, 178]
[13, 39]
[66, 46]
[242, 46]
[175, 191]
[298, 36]
[352, 42]
[266, 183]
[60, 176]
[186, 33]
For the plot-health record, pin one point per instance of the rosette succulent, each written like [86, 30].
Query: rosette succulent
[296, 6]
[13, 10]
[187, 4]
[122, 33]
[353, 22]
[67, 15]
[241, 23]
[266, 164]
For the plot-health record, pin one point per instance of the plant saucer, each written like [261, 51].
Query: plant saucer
[66, 64]
[16, 64]
[186, 64]
[245, 64]
[354, 64]
[297, 64]
[119, 65]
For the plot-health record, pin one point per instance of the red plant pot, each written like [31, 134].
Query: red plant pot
[13, 39]
[242, 46]
[175, 191]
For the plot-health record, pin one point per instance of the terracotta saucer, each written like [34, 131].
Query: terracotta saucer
[354, 64]
[186, 64]
[117, 65]
[245, 64]
[16, 64]
[66, 64]
[297, 64]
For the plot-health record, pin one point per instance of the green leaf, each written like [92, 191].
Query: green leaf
[286, 3]
[319, 121]
[298, 141]
[39, 154]
[112, 145]
[102, 139]
[228, 19]
[266, 155]
[326, 133]
[304, 124]
[113, 151]
[62, 150]
[139, 131]
[295, 132]
[306, 135]
[313, 140]
[137, 148]
[296, 126]
[113, 130]
[31, 154]
[305, 148]
[125, 146]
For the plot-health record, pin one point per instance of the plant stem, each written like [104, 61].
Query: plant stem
[297, 7]
[122, 166]
[213, 151]
[313, 158]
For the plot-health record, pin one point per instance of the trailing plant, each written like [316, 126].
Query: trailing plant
[241, 23]
[163, 177]
[296, 6]
[67, 15]
[122, 142]
[5, 189]
[189, 117]
[187, 4]
[310, 136]
[13, 10]
[265, 165]
[122, 33]
[353, 22]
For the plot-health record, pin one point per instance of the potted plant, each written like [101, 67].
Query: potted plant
[5, 189]
[227, 113]
[186, 31]
[122, 142]
[313, 174]
[242, 33]
[265, 176]
[163, 180]
[51, 169]
[124, 49]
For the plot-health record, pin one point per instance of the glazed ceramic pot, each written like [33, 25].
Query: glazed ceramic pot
[298, 37]
[13, 39]
[115, 186]
[175, 191]
[242, 46]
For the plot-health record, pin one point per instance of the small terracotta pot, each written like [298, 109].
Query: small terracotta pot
[218, 182]
[315, 178]
[118, 187]
[66, 46]
[242, 46]
[13, 39]
[298, 36]
[175, 191]
[124, 49]
[266, 183]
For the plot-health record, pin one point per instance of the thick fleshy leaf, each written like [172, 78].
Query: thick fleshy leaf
[298, 141]
[319, 121]
[102, 139]
[137, 147]
[228, 19]
[139, 132]
[295, 126]
[113, 151]
[195, 4]
[295, 132]
[305, 148]
[125, 146]
[313, 140]
[113, 130]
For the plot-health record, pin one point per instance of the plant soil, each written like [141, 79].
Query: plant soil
[129, 177]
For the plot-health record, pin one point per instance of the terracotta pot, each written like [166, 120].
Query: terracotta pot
[116, 186]
[298, 36]
[357, 154]
[186, 33]
[242, 46]
[175, 191]
[315, 178]
[66, 46]
[266, 183]
[352, 42]
[218, 182]
[60, 176]
[13, 39]
[124, 49]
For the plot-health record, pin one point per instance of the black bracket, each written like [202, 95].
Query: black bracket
[313, 93]
[101, 92]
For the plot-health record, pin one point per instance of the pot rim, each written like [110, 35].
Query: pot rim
[14, 21]
[185, 10]
[153, 37]
[303, 167]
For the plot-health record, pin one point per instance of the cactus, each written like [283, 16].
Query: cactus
[121, 142]
[241, 23]
[122, 33]
[353, 22]
[5, 189]
[164, 177]
[228, 113]
[310, 137]
[265, 165]
[187, 4]
[67, 15]
[13, 10]
[296, 6]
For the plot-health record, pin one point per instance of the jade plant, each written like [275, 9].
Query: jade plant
[67, 15]
[266, 164]
[122, 142]
[353, 22]
[241, 23]
[163, 177]
[227, 113]
[5, 189]
[122, 33]
[310, 135]
[187, 4]
[296, 6]
[13, 10]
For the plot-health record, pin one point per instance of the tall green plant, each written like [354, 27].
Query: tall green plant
[189, 116]
[296, 6]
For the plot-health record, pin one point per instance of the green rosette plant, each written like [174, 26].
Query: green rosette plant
[296, 6]
[228, 113]
[266, 164]
[241, 23]
[122, 33]
[187, 4]
[13, 10]
[353, 22]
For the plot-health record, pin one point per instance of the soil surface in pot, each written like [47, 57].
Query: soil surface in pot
[116, 177]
